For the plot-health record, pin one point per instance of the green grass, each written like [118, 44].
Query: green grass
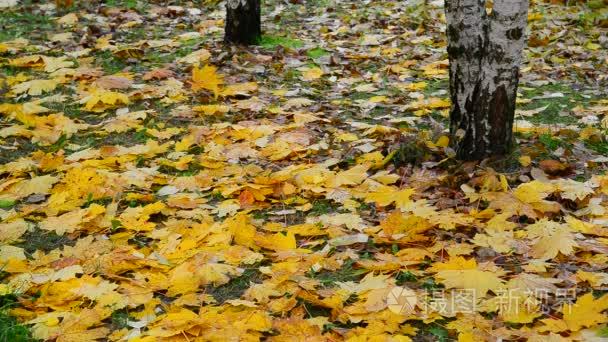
[139, 6]
[10, 329]
[72, 110]
[134, 34]
[316, 53]
[160, 58]
[321, 207]
[600, 147]
[317, 3]
[23, 24]
[25, 147]
[120, 319]
[271, 42]
[433, 86]
[557, 111]
[550, 142]
[404, 277]
[43, 240]
[110, 63]
[346, 273]
[410, 152]
[9, 70]
[603, 332]
[235, 288]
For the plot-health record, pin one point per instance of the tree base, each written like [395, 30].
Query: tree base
[243, 22]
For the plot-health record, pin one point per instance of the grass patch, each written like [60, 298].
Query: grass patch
[119, 319]
[346, 273]
[434, 86]
[159, 58]
[321, 207]
[271, 42]
[43, 240]
[557, 108]
[110, 63]
[10, 329]
[550, 142]
[9, 70]
[235, 288]
[435, 331]
[139, 6]
[24, 148]
[317, 3]
[411, 152]
[316, 53]
[600, 147]
[135, 34]
[73, 111]
[23, 24]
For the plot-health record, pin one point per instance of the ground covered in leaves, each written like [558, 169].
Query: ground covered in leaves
[158, 185]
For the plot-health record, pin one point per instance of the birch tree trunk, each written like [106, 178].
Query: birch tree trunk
[485, 54]
[243, 23]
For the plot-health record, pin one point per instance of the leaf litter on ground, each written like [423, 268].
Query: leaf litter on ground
[159, 185]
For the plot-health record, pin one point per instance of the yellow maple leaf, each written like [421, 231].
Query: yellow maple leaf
[534, 191]
[35, 87]
[352, 176]
[216, 273]
[137, 218]
[277, 242]
[188, 276]
[8, 252]
[561, 240]
[586, 312]
[500, 241]
[212, 109]
[478, 281]
[401, 198]
[312, 74]
[72, 221]
[26, 187]
[464, 274]
[241, 228]
[100, 100]
[195, 57]
[415, 86]
[406, 228]
[32, 61]
[515, 306]
[454, 263]
[185, 143]
[595, 279]
[553, 325]
[11, 231]
[243, 89]
[207, 78]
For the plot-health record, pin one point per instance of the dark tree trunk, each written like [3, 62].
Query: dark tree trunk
[485, 54]
[243, 23]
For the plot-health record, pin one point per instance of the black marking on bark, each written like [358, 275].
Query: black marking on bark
[515, 33]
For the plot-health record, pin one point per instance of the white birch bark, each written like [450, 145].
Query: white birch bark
[233, 4]
[485, 55]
